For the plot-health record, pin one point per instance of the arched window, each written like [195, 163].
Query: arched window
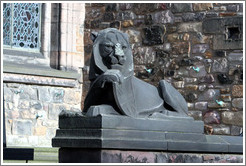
[21, 26]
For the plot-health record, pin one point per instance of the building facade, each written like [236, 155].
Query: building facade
[197, 47]
[43, 55]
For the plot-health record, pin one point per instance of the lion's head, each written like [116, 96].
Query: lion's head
[111, 50]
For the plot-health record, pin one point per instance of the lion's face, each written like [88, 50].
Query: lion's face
[111, 50]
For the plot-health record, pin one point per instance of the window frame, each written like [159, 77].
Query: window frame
[9, 49]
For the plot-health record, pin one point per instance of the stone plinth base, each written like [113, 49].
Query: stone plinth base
[106, 138]
[80, 155]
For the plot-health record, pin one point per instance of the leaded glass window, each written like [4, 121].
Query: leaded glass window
[21, 25]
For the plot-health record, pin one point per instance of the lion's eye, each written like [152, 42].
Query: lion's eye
[124, 47]
[108, 46]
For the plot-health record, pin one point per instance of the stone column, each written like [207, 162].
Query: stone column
[72, 27]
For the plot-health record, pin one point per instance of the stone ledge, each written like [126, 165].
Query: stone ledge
[79, 155]
[38, 71]
[121, 132]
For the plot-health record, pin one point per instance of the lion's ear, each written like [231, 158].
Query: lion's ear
[94, 36]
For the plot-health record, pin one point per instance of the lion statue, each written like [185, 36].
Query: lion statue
[114, 89]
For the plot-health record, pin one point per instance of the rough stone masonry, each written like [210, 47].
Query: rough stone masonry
[176, 42]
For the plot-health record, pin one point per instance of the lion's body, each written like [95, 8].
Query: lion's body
[113, 82]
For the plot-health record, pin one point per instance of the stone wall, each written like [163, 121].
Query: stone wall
[195, 46]
[35, 92]
[31, 112]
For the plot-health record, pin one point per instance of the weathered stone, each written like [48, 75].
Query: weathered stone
[236, 56]
[227, 14]
[233, 118]
[55, 110]
[220, 8]
[201, 105]
[193, 16]
[226, 97]
[138, 23]
[164, 6]
[191, 87]
[153, 35]
[148, 19]
[134, 36]
[108, 16]
[178, 84]
[218, 26]
[190, 80]
[209, 78]
[186, 62]
[23, 104]
[190, 27]
[127, 23]
[93, 13]
[232, 8]
[181, 7]
[12, 85]
[50, 123]
[221, 130]
[201, 73]
[190, 105]
[240, 7]
[236, 130]
[202, 87]
[211, 117]
[210, 94]
[26, 114]
[104, 25]
[26, 92]
[197, 115]
[202, 6]
[178, 19]
[163, 17]
[72, 97]
[22, 127]
[177, 37]
[212, 14]
[237, 91]
[95, 23]
[200, 48]
[43, 94]
[224, 79]
[97, 4]
[115, 24]
[238, 103]
[180, 48]
[214, 105]
[57, 95]
[40, 131]
[112, 7]
[125, 6]
[220, 53]
[126, 15]
[190, 97]
[142, 8]
[219, 43]
[224, 90]
[170, 73]
[220, 65]
[144, 55]
[198, 38]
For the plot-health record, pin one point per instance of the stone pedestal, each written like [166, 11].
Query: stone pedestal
[87, 139]
[81, 155]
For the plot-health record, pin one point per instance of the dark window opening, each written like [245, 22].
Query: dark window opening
[233, 33]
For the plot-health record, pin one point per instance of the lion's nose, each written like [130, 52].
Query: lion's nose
[118, 50]
[119, 53]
